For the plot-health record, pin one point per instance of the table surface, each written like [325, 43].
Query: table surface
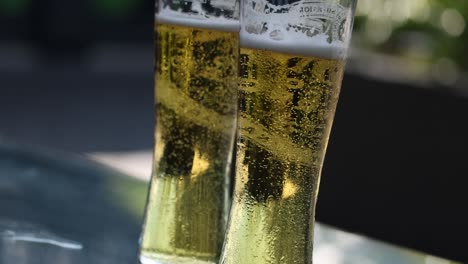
[58, 208]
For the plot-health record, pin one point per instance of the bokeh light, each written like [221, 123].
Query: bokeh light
[452, 22]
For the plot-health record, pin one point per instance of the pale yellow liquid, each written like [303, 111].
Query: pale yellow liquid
[196, 99]
[287, 105]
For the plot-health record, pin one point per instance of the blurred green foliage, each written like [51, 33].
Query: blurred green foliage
[12, 8]
[428, 30]
[112, 8]
[115, 8]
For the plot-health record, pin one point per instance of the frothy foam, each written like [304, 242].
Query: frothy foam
[297, 44]
[168, 16]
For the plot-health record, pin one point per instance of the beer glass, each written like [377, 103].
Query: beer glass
[196, 68]
[292, 59]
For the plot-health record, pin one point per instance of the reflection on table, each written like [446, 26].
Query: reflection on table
[60, 209]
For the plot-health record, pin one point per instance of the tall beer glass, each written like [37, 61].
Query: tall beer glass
[196, 99]
[291, 66]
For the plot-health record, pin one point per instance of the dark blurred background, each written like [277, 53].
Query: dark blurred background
[77, 76]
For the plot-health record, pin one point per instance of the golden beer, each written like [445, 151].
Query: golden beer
[196, 101]
[287, 105]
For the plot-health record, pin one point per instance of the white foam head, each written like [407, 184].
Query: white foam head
[296, 44]
[168, 16]
[289, 29]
